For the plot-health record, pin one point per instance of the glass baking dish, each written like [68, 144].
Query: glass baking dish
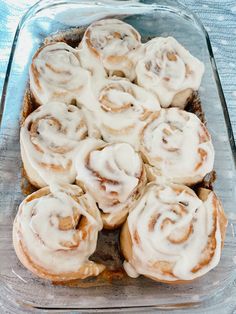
[20, 291]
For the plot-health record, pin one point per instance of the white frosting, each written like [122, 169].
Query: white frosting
[50, 246]
[170, 230]
[103, 170]
[119, 109]
[130, 270]
[179, 146]
[113, 43]
[49, 139]
[167, 68]
[170, 225]
[56, 74]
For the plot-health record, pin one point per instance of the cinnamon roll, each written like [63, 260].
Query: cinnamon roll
[115, 184]
[49, 138]
[179, 147]
[56, 74]
[113, 43]
[55, 232]
[122, 110]
[169, 70]
[173, 235]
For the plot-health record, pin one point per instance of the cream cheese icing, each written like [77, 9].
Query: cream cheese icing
[49, 229]
[119, 109]
[175, 235]
[167, 68]
[178, 146]
[56, 74]
[174, 143]
[102, 169]
[113, 43]
[49, 139]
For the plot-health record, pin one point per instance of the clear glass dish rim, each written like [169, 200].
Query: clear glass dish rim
[185, 13]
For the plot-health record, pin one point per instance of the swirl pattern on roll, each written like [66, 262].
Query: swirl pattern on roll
[173, 235]
[56, 74]
[178, 146]
[49, 139]
[115, 184]
[169, 70]
[55, 232]
[122, 110]
[102, 123]
[114, 43]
